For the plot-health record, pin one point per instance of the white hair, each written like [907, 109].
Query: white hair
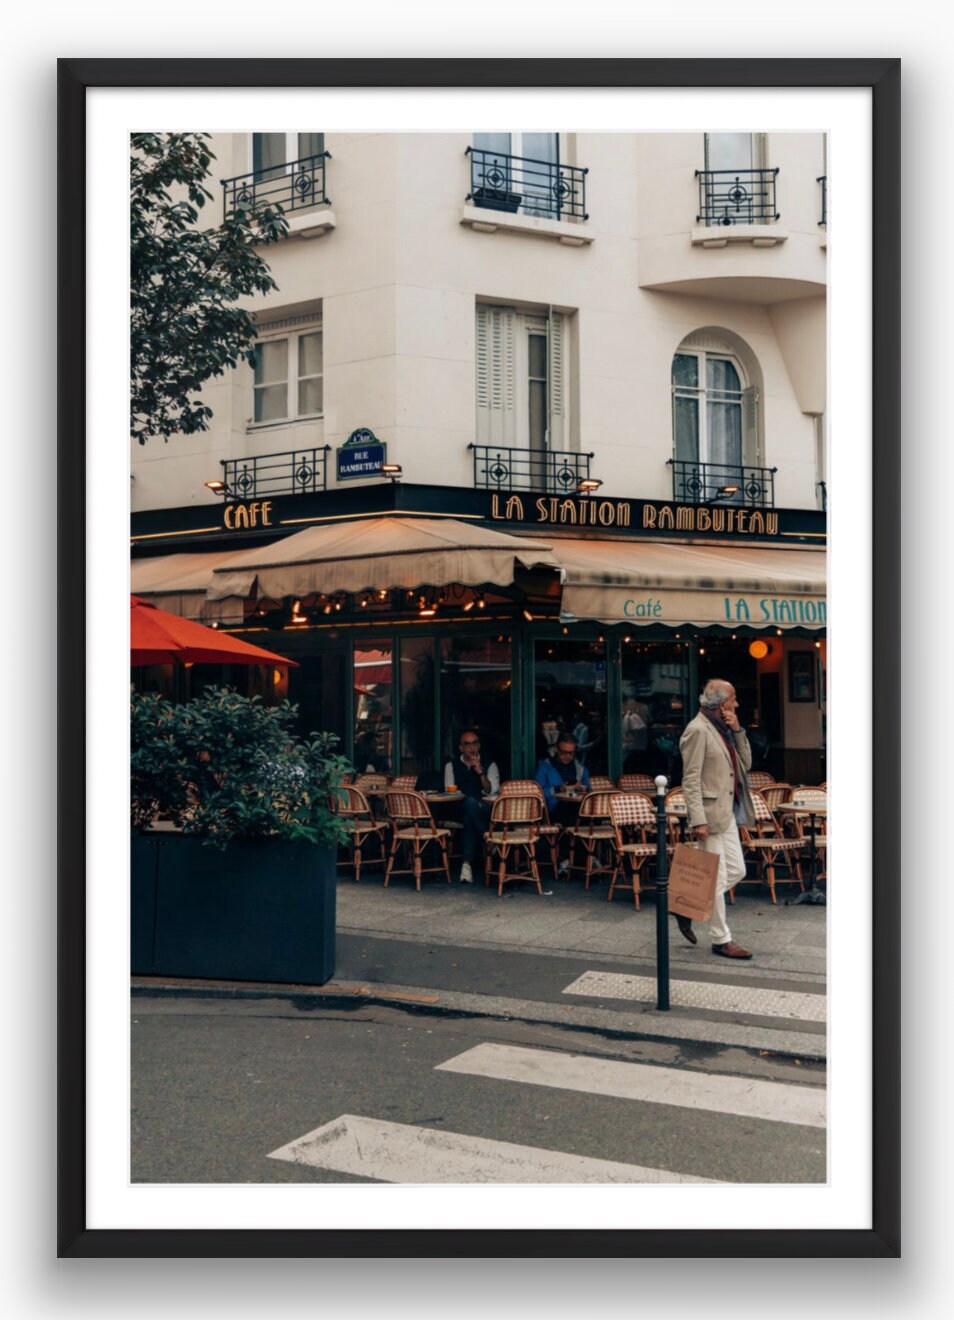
[714, 693]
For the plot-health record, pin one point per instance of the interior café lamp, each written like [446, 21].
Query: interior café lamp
[758, 649]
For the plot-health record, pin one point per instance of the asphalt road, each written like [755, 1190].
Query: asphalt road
[218, 1085]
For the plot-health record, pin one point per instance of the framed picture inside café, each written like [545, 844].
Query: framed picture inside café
[629, 470]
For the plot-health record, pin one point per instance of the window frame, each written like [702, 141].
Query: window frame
[291, 153]
[701, 394]
[292, 380]
[527, 323]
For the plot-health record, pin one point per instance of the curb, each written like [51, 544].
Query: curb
[610, 1023]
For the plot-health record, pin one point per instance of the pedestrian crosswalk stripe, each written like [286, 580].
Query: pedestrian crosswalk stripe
[703, 994]
[748, 1097]
[402, 1153]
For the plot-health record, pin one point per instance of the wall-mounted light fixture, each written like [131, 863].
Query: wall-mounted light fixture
[217, 487]
[588, 485]
[392, 470]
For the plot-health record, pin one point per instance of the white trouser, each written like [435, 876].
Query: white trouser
[728, 849]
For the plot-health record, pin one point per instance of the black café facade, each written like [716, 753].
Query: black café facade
[415, 611]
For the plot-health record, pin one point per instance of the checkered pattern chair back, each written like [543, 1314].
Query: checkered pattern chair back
[628, 810]
[637, 784]
[809, 797]
[759, 779]
[404, 781]
[676, 801]
[596, 805]
[352, 802]
[602, 783]
[514, 808]
[371, 783]
[776, 794]
[403, 806]
[521, 787]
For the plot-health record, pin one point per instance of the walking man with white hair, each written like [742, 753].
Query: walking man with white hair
[716, 759]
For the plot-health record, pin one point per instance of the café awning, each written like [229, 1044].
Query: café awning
[377, 554]
[179, 583]
[677, 584]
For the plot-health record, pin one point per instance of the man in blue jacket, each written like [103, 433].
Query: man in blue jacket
[563, 771]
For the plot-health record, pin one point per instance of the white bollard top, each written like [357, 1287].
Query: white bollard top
[661, 782]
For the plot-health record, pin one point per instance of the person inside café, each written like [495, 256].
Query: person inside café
[468, 775]
[558, 775]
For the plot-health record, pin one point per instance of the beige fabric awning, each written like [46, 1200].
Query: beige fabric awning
[377, 553]
[179, 583]
[652, 582]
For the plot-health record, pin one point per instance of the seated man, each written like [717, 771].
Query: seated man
[472, 779]
[563, 771]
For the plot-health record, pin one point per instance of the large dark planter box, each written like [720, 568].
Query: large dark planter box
[497, 199]
[259, 911]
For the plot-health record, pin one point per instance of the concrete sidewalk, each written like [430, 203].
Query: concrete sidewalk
[570, 959]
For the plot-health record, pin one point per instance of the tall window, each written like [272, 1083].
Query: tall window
[521, 378]
[739, 186]
[288, 377]
[714, 406]
[521, 170]
[272, 152]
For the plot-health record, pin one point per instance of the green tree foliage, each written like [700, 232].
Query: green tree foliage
[187, 281]
[225, 767]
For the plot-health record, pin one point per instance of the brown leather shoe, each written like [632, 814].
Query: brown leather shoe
[685, 928]
[731, 950]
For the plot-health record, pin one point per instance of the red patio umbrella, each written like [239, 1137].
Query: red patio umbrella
[160, 638]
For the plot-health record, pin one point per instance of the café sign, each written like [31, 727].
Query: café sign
[361, 455]
[646, 515]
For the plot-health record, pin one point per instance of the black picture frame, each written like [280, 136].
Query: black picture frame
[802, 668]
[75, 77]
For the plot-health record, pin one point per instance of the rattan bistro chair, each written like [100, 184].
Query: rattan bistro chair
[602, 784]
[404, 781]
[812, 797]
[775, 794]
[514, 831]
[354, 811]
[759, 779]
[632, 815]
[637, 784]
[593, 827]
[770, 848]
[549, 833]
[412, 832]
[371, 783]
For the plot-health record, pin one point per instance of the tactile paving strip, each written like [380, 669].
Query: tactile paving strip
[703, 994]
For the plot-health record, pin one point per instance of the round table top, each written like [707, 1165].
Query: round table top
[804, 808]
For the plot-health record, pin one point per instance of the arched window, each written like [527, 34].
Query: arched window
[714, 422]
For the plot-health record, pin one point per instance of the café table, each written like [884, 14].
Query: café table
[812, 894]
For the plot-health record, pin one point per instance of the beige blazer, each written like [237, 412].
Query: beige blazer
[707, 775]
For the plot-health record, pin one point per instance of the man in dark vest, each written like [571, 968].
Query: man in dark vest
[468, 774]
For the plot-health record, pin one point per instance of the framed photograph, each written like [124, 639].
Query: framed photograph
[801, 676]
[622, 438]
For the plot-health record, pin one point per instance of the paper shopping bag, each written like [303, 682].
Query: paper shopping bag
[692, 882]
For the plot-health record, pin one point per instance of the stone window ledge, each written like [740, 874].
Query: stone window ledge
[720, 236]
[484, 221]
[312, 224]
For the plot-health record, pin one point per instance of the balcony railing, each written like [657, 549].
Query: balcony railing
[497, 468]
[722, 483]
[293, 186]
[736, 197]
[296, 472]
[500, 182]
[823, 180]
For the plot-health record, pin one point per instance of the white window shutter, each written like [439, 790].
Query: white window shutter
[751, 451]
[496, 411]
[557, 370]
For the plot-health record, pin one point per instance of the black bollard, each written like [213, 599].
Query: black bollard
[662, 897]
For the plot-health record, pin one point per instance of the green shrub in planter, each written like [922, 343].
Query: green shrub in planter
[247, 889]
[225, 767]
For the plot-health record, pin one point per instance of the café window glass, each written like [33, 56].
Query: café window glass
[656, 706]
[373, 710]
[570, 697]
[476, 682]
[417, 705]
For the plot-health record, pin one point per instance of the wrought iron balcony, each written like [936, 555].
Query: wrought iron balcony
[497, 468]
[296, 472]
[499, 182]
[823, 180]
[294, 186]
[736, 197]
[722, 483]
